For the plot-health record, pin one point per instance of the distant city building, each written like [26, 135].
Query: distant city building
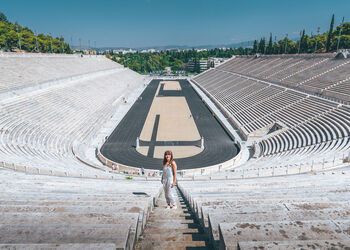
[123, 51]
[199, 50]
[167, 70]
[203, 65]
[215, 61]
[149, 51]
[197, 66]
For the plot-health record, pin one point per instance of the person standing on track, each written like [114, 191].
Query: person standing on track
[169, 178]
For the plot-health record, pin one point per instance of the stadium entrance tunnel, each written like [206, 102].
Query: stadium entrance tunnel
[169, 115]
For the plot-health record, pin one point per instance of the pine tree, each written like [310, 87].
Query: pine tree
[3, 18]
[300, 44]
[270, 46]
[330, 34]
[261, 45]
[255, 47]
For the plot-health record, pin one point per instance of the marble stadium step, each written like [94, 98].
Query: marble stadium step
[69, 218]
[63, 233]
[76, 246]
[214, 219]
[126, 201]
[295, 244]
[232, 233]
[203, 211]
[72, 209]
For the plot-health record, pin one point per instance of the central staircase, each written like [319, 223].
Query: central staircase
[172, 228]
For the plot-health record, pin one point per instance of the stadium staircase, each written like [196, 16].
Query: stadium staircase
[173, 228]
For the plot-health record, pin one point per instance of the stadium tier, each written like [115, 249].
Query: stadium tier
[323, 75]
[27, 70]
[45, 128]
[285, 124]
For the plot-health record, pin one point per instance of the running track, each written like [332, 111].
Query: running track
[120, 145]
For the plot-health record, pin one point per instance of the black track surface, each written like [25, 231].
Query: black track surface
[120, 146]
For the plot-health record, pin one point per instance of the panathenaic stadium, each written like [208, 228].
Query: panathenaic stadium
[262, 145]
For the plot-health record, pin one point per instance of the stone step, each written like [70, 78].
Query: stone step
[135, 220]
[295, 244]
[73, 209]
[327, 207]
[171, 224]
[77, 197]
[214, 219]
[165, 220]
[262, 197]
[65, 194]
[232, 233]
[246, 202]
[173, 245]
[63, 233]
[72, 203]
[69, 218]
[76, 246]
[159, 230]
[176, 235]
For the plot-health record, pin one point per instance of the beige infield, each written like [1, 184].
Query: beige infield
[171, 85]
[176, 123]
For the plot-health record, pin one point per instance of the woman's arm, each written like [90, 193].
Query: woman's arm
[174, 167]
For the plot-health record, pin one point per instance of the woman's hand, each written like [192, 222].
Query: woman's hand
[173, 184]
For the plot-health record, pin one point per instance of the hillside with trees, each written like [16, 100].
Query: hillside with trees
[335, 38]
[15, 37]
[147, 62]
[330, 41]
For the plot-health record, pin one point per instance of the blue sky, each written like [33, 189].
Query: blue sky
[136, 23]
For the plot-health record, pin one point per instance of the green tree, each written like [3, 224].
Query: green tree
[14, 36]
[255, 47]
[330, 34]
[342, 32]
[261, 48]
[269, 49]
[3, 18]
[303, 47]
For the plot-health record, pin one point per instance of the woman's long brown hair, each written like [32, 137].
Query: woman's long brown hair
[168, 152]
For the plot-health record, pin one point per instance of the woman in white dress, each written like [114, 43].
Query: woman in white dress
[169, 178]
